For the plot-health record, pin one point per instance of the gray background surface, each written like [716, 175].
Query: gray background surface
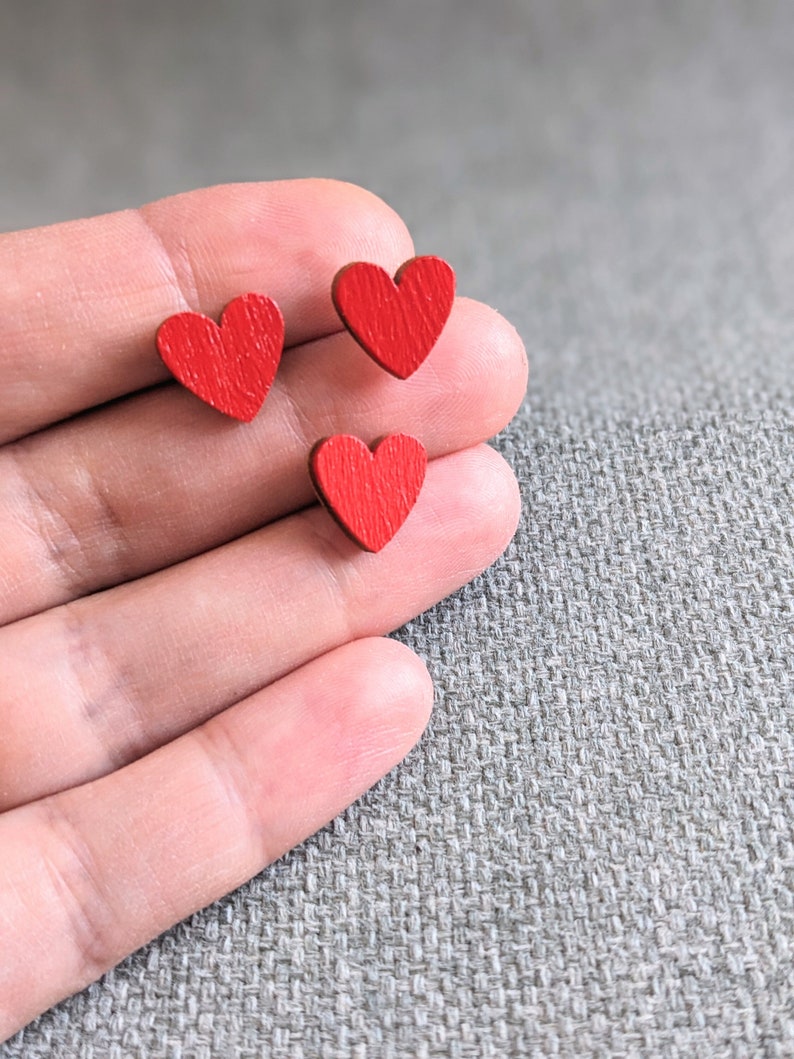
[592, 850]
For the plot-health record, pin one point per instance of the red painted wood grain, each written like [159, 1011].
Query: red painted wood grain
[230, 366]
[369, 491]
[396, 321]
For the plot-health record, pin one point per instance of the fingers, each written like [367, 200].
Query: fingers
[80, 303]
[93, 873]
[150, 481]
[115, 675]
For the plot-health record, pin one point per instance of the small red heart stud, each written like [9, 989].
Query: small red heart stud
[369, 492]
[397, 321]
[231, 366]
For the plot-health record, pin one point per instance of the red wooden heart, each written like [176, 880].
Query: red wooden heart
[397, 321]
[369, 492]
[231, 366]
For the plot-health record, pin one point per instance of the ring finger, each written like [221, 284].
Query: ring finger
[119, 673]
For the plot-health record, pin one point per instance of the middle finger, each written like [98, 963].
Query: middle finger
[159, 477]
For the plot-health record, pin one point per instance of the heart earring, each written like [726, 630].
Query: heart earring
[396, 321]
[231, 365]
[370, 492]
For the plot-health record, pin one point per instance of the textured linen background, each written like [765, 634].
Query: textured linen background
[591, 852]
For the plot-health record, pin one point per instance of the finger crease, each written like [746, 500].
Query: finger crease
[93, 555]
[303, 429]
[109, 711]
[50, 527]
[228, 769]
[331, 558]
[181, 272]
[92, 924]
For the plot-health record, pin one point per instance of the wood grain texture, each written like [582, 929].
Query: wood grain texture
[230, 366]
[370, 492]
[396, 321]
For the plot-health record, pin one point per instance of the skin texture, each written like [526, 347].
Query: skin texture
[176, 614]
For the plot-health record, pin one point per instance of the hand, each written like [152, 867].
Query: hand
[192, 671]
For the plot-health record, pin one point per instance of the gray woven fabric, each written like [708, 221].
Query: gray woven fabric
[591, 852]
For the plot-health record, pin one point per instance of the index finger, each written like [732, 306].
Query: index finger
[80, 302]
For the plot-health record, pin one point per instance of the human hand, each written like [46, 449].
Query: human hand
[193, 674]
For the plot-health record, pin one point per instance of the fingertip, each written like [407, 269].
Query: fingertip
[412, 685]
[477, 376]
[496, 353]
[352, 224]
[314, 226]
[506, 496]
[509, 351]
[366, 222]
[388, 698]
[477, 501]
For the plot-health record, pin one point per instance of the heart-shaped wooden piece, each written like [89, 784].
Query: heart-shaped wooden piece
[369, 492]
[397, 321]
[231, 366]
